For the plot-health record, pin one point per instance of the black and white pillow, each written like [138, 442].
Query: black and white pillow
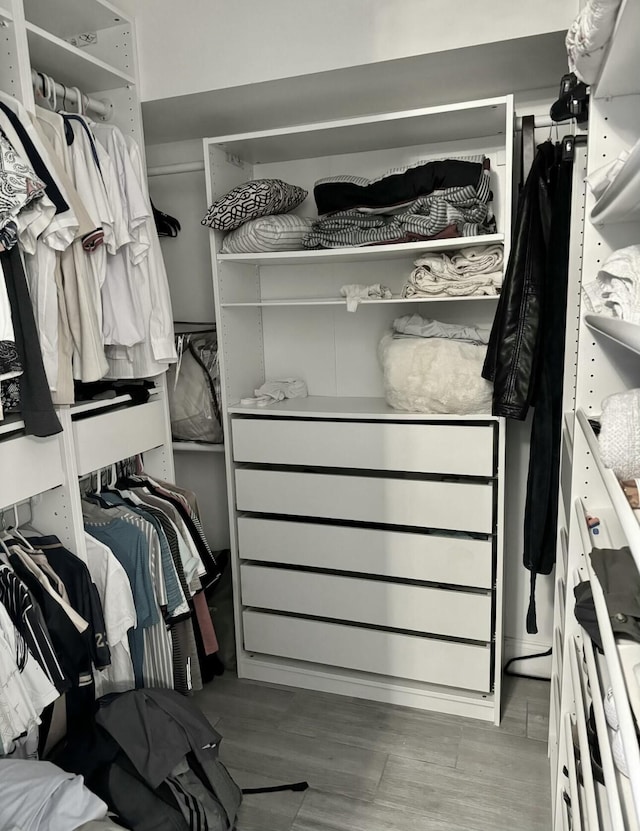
[261, 197]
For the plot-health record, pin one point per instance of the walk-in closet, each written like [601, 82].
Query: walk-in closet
[319, 415]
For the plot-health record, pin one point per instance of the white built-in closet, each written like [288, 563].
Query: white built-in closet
[605, 355]
[367, 542]
[39, 35]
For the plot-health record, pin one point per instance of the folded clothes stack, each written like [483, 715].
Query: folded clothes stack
[616, 289]
[473, 271]
[428, 200]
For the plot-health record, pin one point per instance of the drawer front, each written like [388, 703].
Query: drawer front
[367, 650]
[414, 608]
[453, 506]
[30, 466]
[109, 437]
[413, 556]
[420, 448]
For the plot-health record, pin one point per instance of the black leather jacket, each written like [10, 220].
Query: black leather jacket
[514, 345]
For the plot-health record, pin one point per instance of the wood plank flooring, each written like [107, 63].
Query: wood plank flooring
[378, 767]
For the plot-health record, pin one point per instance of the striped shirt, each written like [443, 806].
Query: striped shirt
[26, 616]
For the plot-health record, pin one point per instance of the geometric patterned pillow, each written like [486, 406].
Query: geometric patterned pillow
[259, 197]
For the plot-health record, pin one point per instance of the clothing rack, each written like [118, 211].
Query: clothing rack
[72, 95]
[171, 169]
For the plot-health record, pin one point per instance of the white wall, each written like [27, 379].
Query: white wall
[202, 45]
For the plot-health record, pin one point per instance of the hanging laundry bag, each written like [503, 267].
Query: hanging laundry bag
[194, 389]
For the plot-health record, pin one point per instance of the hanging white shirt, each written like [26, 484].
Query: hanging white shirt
[123, 308]
[119, 611]
[157, 351]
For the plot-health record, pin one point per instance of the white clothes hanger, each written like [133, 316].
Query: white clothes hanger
[14, 531]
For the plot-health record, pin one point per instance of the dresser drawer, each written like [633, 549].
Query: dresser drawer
[103, 439]
[30, 465]
[458, 561]
[461, 506]
[423, 609]
[418, 448]
[413, 657]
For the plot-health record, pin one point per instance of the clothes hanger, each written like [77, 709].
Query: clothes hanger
[166, 225]
[14, 530]
[53, 95]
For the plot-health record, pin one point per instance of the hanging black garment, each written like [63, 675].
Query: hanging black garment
[541, 511]
[39, 416]
[525, 357]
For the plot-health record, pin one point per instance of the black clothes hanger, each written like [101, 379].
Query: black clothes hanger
[166, 225]
[573, 100]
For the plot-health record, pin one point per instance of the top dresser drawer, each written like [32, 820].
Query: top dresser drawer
[456, 449]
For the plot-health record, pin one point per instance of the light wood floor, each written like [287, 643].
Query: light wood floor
[377, 767]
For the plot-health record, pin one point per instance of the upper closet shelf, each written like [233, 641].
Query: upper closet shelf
[66, 18]
[619, 331]
[341, 407]
[621, 69]
[429, 125]
[72, 66]
[623, 510]
[362, 254]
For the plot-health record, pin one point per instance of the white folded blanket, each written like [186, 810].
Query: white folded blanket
[471, 271]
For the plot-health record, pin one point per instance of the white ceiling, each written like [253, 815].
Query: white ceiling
[425, 80]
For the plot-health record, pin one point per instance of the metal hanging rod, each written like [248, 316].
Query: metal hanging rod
[542, 121]
[72, 95]
[170, 169]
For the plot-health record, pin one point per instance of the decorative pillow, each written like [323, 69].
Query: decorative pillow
[268, 233]
[252, 200]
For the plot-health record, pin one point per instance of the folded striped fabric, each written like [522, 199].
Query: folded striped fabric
[426, 217]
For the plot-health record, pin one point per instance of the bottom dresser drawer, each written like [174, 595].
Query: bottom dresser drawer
[423, 609]
[415, 658]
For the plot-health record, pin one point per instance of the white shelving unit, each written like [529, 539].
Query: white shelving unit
[606, 363]
[96, 434]
[324, 499]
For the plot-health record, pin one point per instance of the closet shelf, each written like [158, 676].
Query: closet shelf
[327, 406]
[619, 331]
[620, 73]
[623, 510]
[195, 447]
[72, 17]
[341, 301]
[428, 125]
[70, 65]
[361, 254]
[105, 403]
